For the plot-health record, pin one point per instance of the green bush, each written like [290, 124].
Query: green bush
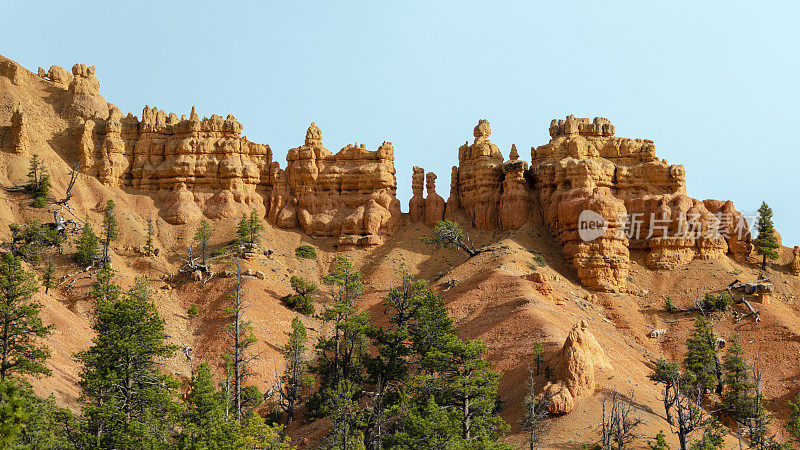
[539, 260]
[88, 246]
[299, 303]
[28, 240]
[218, 252]
[306, 251]
[719, 302]
[193, 311]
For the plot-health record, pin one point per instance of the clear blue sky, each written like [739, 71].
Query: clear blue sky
[715, 84]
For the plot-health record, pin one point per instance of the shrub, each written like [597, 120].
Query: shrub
[193, 311]
[27, 241]
[539, 260]
[306, 251]
[217, 252]
[719, 302]
[299, 303]
[88, 246]
[669, 306]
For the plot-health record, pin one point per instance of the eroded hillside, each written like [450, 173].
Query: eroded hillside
[537, 279]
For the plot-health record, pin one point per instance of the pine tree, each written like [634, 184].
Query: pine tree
[300, 301]
[48, 426]
[294, 377]
[13, 416]
[767, 241]
[38, 182]
[104, 288]
[343, 410]
[49, 275]
[87, 247]
[148, 243]
[110, 232]
[793, 424]
[204, 422]
[20, 324]
[128, 402]
[240, 338]
[701, 360]
[342, 356]
[738, 396]
[243, 230]
[202, 237]
[538, 351]
[254, 228]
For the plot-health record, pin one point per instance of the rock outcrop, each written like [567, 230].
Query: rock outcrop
[515, 199]
[58, 75]
[638, 201]
[11, 70]
[576, 368]
[19, 134]
[480, 176]
[434, 203]
[84, 94]
[416, 206]
[349, 195]
[195, 167]
[794, 266]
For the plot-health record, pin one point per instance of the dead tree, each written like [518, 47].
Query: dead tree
[688, 408]
[240, 337]
[534, 422]
[57, 207]
[190, 263]
[618, 427]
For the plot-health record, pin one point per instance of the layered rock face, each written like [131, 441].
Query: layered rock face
[349, 195]
[430, 209]
[480, 177]
[794, 266]
[586, 176]
[576, 366]
[196, 167]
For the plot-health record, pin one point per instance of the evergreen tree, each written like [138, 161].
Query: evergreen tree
[38, 182]
[148, 243]
[767, 241]
[203, 237]
[702, 368]
[29, 240]
[660, 442]
[248, 231]
[49, 276]
[104, 288]
[346, 417]
[48, 426]
[204, 422]
[240, 338]
[87, 247]
[294, 377]
[110, 232]
[738, 396]
[538, 351]
[534, 419]
[20, 324]
[301, 300]
[793, 424]
[128, 402]
[424, 424]
[254, 228]
[13, 416]
[389, 370]
[341, 357]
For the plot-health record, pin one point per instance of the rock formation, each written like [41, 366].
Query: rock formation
[639, 199]
[11, 70]
[195, 167]
[480, 176]
[434, 203]
[416, 206]
[19, 135]
[794, 266]
[84, 94]
[575, 369]
[515, 197]
[58, 75]
[349, 195]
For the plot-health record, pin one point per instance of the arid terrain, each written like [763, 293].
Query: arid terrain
[535, 279]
